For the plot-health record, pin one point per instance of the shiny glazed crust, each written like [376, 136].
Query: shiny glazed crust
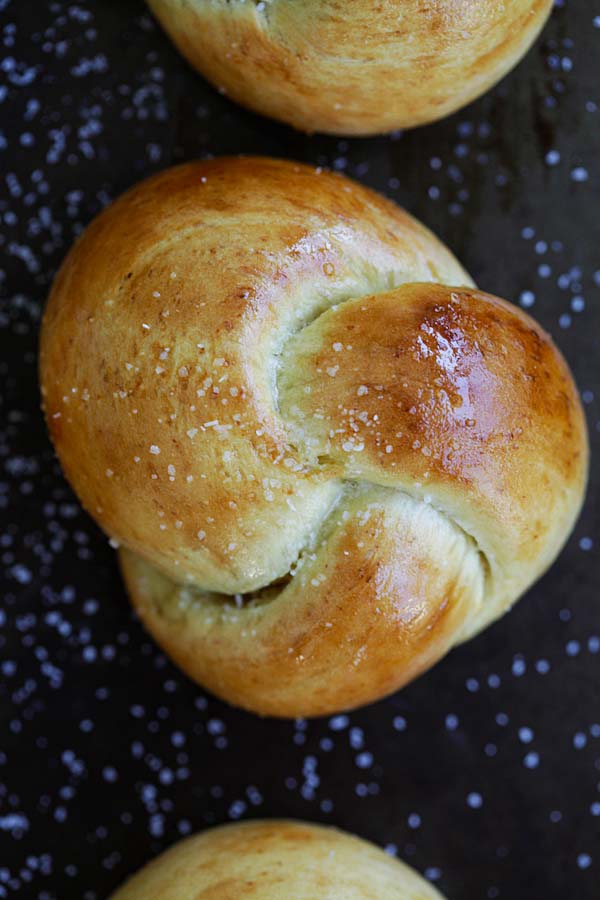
[275, 860]
[353, 66]
[327, 457]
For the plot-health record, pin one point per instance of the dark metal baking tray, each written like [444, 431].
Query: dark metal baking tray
[485, 773]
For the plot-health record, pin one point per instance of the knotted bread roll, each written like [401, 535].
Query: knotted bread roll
[276, 860]
[353, 66]
[327, 457]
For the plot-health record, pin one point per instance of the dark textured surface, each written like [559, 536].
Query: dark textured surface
[484, 774]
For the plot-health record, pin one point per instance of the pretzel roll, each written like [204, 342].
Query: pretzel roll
[353, 66]
[326, 456]
[276, 860]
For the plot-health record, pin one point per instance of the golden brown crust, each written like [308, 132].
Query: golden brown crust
[353, 66]
[259, 382]
[378, 600]
[155, 354]
[451, 395]
[275, 860]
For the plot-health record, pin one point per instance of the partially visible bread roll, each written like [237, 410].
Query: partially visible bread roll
[275, 860]
[327, 457]
[353, 66]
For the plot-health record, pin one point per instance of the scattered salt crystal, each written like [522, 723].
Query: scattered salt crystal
[154, 449]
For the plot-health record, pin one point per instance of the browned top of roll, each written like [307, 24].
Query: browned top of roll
[276, 860]
[263, 380]
[353, 66]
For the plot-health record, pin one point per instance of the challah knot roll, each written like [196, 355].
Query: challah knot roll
[326, 456]
[353, 66]
[275, 860]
